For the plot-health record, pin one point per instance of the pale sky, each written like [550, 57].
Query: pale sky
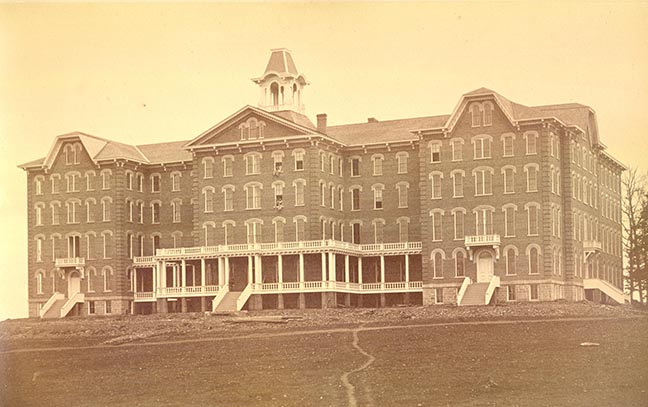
[145, 73]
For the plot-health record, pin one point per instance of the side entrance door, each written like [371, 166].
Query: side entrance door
[484, 266]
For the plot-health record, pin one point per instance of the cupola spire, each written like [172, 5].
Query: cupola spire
[281, 85]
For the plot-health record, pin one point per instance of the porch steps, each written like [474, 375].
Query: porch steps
[475, 294]
[228, 304]
[55, 309]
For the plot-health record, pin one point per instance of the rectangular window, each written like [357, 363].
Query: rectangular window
[175, 182]
[403, 231]
[532, 179]
[355, 229]
[484, 222]
[510, 293]
[209, 202]
[278, 196]
[91, 307]
[482, 148]
[436, 186]
[299, 194]
[299, 161]
[458, 225]
[509, 222]
[457, 150]
[509, 181]
[436, 226]
[377, 166]
[378, 198]
[531, 144]
[402, 196]
[355, 167]
[355, 199]
[253, 200]
[402, 163]
[483, 184]
[252, 164]
[300, 230]
[332, 165]
[507, 146]
[155, 213]
[108, 307]
[533, 292]
[229, 199]
[435, 153]
[533, 220]
[438, 295]
[227, 166]
[278, 164]
[457, 185]
[155, 183]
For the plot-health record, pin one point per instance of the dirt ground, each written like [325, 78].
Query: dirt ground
[513, 355]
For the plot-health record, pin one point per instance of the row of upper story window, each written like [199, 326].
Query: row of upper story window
[328, 162]
[482, 147]
[583, 157]
[72, 153]
[74, 182]
[77, 211]
[354, 231]
[455, 226]
[587, 228]
[105, 282]
[483, 181]
[515, 263]
[587, 192]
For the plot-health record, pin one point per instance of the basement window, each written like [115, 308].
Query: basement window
[438, 295]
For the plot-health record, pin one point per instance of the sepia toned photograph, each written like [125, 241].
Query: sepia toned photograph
[324, 204]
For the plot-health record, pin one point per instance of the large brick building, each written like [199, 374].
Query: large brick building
[494, 202]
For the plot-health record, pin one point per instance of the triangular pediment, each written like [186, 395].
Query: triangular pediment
[249, 124]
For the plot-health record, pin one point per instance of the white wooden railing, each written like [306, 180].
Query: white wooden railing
[144, 295]
[55, 297]
[242, 299]
[592, 245]
[144, 260]
[479, 240]
[71, 302]
[221, 294]
[462, 291]
[70, 262]
[308, 244]
[188, 290]
[494, 283]
[294, 286]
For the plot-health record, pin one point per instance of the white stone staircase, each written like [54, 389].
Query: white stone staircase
[228, 302]
[477, 293]
[608, 289]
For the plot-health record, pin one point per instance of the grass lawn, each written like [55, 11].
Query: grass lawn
[512, 364]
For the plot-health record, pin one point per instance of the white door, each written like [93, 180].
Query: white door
[74, 284]
[484, 267]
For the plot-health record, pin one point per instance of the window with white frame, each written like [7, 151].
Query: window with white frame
[208, 199]
[457, 183]
[56, 179]
[488, 113]
[155, 182]
[483, 181]
[279, 224]
[72, 211]
[90, 176]
[228, 231]
[531, 142]
[437, 225]
[140, 211]
[332, 195]
[155, 212]
[277, 159]
[403, 192]
[228, 166]
[435, 151]
[437, 265]
[253, 196]
[402, 158]
[228, 198]
[533, 213]
[484, 220]
[509, 220]
[278, 188]
[300, 228]
[341, 198]
[476, 114]
[355, 166]
[403, 229]
[534, 260]
[435, 185]
[507, 145]
[509, 179]
[38, 182]
[355, 231]
[299, 159]
[106, 273]
[532, 177]
[140, 182]
[379, 230]
[176, 205]
[39, 213]
[460, 263]
[72, 181]
[378, 195]
[129, 180]
[175, 181]
[39, 248]
[340, 165]
[458, 219]
[300, 186]
[322, 193]
[377, 160]
[253, 228]
[332, 164]
[56, 207]
[252, 163]
[510, 256]
[355, 198]
[130, 208]
[90, 202]
[106, 244]
[457, 149]
[482, 146]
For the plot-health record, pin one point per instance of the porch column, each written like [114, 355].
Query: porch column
[324, 267]
[382, 269]
[134, 280]
[332, 276]
[184, 274]
[221, 271]
[280, 270]
[346, 269]
[155, 277]
[359, 270]
[250, 273]
[258, 278]
[301, 270]
[202, 273]
[407, 279]
[163, 281]
[226, 263]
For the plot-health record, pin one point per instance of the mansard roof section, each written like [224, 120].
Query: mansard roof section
[281, 64]
[376, 131]
[226, 132]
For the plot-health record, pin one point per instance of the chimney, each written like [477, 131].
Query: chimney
[372, 120]
[321, 123]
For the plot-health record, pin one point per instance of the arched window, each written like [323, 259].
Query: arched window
[106, 273]
[510, 255]
[378, 195]
[274, 93]
[253, 227]
[279, 224]
[208, 198]
[176, 204]
[379, 230]
[155, 212]
[534, 259]
[39, 282]
[403, 229]
[476, 115]
[460, 263]
[228, 197]
[437, 224]
[437, 263]
[488, 113]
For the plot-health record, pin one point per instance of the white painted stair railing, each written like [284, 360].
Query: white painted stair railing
[55, 297]
[242, 299]
[494, 283]
[610, 290]
[219, 297]
[71, 302]
[462, 291]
